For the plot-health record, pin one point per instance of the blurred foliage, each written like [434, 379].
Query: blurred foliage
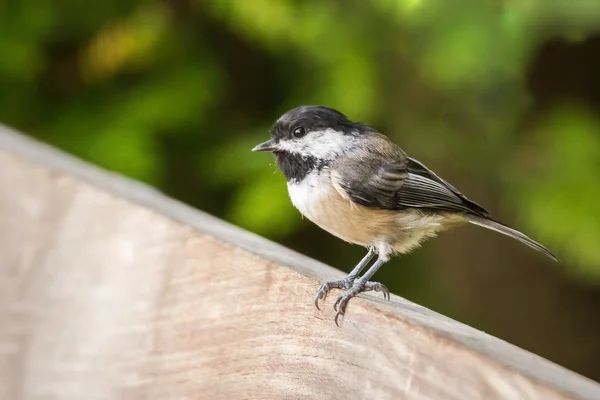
[565, 187]
[176, 93]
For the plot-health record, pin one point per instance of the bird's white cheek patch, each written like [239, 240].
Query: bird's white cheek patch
[326, 144]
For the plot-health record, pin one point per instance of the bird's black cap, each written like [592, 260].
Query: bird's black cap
[312, 117]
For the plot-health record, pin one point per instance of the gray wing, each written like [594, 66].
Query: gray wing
[404, 183]
[420, 169]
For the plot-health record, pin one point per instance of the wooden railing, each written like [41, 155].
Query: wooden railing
[111, 290]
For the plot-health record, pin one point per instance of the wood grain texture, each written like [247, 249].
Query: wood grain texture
[110, 290]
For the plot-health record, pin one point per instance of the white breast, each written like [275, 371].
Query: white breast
[308, 195]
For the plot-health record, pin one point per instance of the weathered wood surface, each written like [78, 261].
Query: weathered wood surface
[110, 290]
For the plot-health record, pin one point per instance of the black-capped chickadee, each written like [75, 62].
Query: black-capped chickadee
[356, 184]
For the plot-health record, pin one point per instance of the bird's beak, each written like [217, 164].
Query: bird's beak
[265, 146]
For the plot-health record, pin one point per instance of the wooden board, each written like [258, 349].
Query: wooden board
[111, 290]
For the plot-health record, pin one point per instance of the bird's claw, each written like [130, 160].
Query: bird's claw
[345, 283]
[321, 294]
[342, 302]
[377, 287]
[352, 289]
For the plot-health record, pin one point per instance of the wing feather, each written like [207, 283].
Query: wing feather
[404, 183]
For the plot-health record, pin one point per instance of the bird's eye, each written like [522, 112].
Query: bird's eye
[299, 132]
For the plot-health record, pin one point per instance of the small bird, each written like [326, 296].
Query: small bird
[356, 184]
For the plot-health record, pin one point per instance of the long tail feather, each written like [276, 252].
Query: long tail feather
[513, 233]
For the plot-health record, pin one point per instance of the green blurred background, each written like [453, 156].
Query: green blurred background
[500, 97]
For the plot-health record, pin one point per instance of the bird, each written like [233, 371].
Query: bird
[358, 185]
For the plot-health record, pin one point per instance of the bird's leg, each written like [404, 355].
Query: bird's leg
[361, 285]
[345, 283]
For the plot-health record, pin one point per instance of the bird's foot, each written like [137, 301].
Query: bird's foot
[345, 283]
[342, 301]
